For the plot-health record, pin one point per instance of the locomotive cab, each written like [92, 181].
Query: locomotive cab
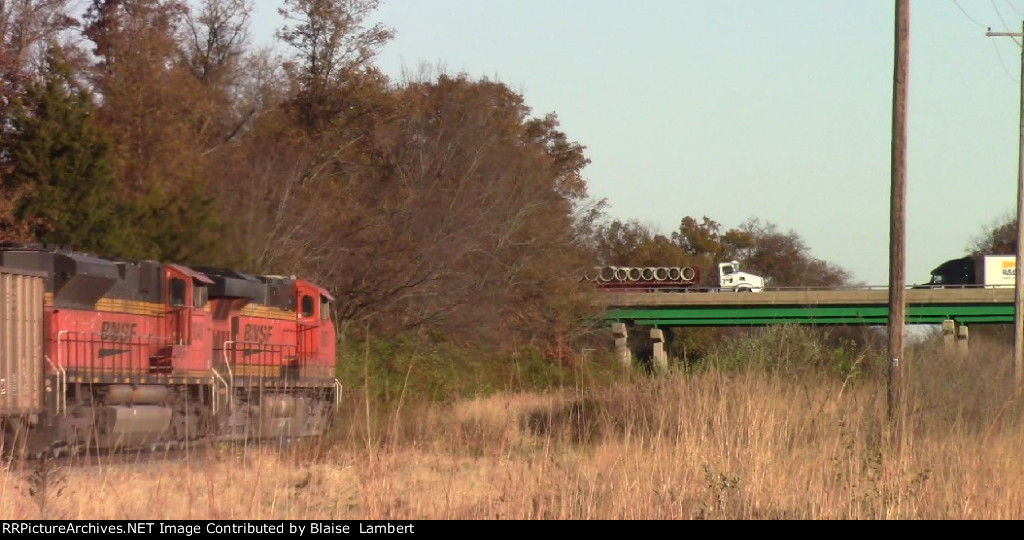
[316, 335]
[185, 297]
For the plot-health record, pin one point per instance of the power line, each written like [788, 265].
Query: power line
[1000, 15]
[967, 14]
[995, 46]
[1002, 62]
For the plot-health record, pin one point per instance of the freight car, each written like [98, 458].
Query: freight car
[113, 354]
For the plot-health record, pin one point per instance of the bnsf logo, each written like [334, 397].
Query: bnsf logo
[259, 333]
[115, 331]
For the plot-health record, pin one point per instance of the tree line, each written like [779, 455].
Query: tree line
[439, 204]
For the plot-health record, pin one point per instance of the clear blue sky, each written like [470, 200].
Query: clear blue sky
[774, 109]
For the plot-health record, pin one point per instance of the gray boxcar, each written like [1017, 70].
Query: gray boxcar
[21, 342]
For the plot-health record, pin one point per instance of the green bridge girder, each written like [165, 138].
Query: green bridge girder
[812, 307]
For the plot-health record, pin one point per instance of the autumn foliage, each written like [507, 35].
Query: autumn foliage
[438, 204]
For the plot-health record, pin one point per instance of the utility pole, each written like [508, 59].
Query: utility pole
[897, 217]
[1018, 287]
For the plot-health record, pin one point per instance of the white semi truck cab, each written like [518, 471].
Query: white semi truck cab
[731, 279]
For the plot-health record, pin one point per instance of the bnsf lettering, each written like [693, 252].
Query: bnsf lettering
[115, 331]
[259, 333]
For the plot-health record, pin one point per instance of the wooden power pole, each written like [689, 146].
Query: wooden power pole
[897, 216]
[1018, 295]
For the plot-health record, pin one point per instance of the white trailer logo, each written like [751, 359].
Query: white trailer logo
[999, 270]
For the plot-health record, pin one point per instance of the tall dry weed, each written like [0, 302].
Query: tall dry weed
[743, 440]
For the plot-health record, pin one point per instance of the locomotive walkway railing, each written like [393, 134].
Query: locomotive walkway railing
[92, 354]
[62, 385]
[259, 359]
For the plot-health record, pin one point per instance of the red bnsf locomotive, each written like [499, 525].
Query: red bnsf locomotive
[115, 354]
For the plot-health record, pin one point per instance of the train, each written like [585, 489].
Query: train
[112, 354]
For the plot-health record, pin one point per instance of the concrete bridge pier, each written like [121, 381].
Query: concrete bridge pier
[949, 332]
[954, 334]
[622, 352]
[660, 356]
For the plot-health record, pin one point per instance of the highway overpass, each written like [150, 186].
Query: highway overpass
[853, 306]
[953, 309]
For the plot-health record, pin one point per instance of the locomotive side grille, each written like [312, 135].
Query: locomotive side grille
[21, 342]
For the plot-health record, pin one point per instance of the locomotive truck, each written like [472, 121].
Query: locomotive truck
[106, 353]
[990, 271]
[686, 278]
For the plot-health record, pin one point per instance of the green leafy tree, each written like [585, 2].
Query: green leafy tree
[58, 162]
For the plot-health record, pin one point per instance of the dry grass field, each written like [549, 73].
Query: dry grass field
[716, 444]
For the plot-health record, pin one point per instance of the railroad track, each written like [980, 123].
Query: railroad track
[102, 459]
[196, 452]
